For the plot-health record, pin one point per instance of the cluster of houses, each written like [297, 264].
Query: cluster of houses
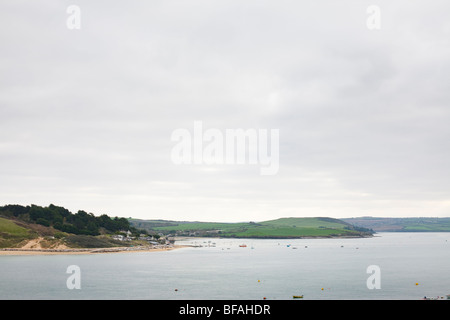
[124, 236]
[127, 236]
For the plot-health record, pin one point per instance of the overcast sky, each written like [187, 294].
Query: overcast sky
[86, 115]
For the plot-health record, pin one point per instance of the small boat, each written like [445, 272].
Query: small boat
[243, 245]
[298, 297]
[432, 298]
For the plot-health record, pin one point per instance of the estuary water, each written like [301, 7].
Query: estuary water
[407, 266]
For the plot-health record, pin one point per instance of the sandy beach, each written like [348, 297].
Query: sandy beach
[25, 251]
[35, 247]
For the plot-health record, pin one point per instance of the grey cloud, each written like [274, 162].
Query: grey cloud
[86, 115]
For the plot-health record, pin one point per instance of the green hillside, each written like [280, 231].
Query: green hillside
[11, 233]
[55, 226]
[422, 224]
[279, 228]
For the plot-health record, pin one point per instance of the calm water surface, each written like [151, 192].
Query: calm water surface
[228, 271]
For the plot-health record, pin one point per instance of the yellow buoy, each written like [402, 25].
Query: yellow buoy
[417, 284]
[259, 280]
[322, 289]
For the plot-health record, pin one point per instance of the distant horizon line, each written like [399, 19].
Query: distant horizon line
[315, 217]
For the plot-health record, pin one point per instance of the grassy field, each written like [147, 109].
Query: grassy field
[427, 224]
[12, 229]
[279, 228]
[11, 233]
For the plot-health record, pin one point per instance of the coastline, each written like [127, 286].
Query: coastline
[72, 251]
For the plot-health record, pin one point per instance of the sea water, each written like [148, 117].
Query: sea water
[408, 266]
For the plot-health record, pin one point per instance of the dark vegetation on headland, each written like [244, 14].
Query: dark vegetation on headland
[59, 225]
[62, 219]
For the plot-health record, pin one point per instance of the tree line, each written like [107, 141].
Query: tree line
[62, 219]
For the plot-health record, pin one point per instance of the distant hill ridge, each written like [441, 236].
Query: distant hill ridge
[421, 224]
[292, 227]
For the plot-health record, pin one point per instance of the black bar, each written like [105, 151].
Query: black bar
[227, 309]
